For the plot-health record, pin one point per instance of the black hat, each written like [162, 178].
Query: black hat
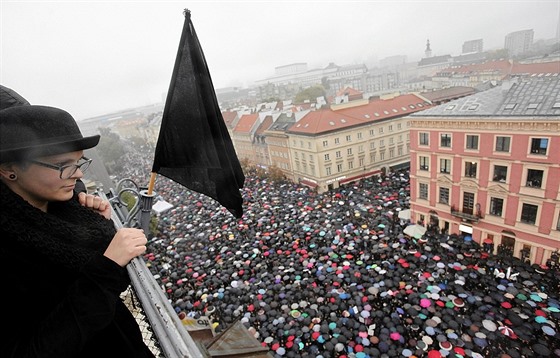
[10, 98]
[34, 131]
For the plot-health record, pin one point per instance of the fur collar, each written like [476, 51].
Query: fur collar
[68, 234]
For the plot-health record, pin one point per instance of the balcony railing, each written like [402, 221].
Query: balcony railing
[465, 216]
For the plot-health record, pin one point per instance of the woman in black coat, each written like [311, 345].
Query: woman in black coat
[64, 262]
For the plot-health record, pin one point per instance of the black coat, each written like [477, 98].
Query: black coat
[60, 294]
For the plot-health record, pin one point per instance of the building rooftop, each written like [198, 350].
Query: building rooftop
[537, 96]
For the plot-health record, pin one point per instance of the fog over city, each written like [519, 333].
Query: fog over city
[95, 57]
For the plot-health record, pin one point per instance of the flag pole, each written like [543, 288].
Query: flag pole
[152, 183]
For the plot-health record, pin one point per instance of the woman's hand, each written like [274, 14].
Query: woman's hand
[126, 245]
[96, 203]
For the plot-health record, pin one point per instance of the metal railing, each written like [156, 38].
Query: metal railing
[163, 331]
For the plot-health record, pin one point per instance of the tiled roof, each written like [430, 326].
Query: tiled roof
[538, 96]
[428, 61]
[245, 123]
[327, 120]
[229, 117]
[448, 93]
[349, 91]
[505, 67]
[283, 122]
[266, 123]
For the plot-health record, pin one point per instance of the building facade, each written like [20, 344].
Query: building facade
[349, 141]
[519, 42]
[488, 165]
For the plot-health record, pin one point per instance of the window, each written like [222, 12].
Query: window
[361, 148]
[391, 141]
[445, 140]
[372, 157]
[502, 144]
[338, 155]
[361, 161]
[328, 170]
[468, 202]
[470, 169]
[539, 146]
[325, 143]
[399, 151]
[348, 138]
[381, 130]
[339, 168]
[349, 151]
[500, 173]
[336, 141]
[327, 157]
[424, 163]
[423, 192]
[445, 166]
[472, 142]
[390, 127]
[382, 155]
[529, 214]
[391, 152]
[444, 195]
[359, 135]
[350, 164]
[372, 145]
[372, 132]
[382, 142]
[534, 178]
[399, 126]
[496, 206]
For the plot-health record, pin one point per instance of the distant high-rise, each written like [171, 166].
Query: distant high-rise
[519, 42]
[473, 46]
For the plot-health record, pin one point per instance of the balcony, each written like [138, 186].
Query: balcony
[466, 216]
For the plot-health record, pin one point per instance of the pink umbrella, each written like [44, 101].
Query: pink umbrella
[395, 336]
[424, 302]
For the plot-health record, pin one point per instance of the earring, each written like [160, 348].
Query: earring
[12, 176]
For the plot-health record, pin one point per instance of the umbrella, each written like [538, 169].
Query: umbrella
[415, 230]
[404, 214]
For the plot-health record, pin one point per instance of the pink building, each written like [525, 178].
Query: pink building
[488, 165]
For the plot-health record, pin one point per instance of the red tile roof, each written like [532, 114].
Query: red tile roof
[245, 123]
[266, 123]
[506, 67]
[349, 91]
[229, 117]
[327, 120]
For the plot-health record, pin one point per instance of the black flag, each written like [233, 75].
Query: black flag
[194, 148]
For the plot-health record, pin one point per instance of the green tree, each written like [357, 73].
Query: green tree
[111, 149]
[310, 94]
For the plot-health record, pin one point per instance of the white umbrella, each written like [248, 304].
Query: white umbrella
[404, 214]
[415, 230]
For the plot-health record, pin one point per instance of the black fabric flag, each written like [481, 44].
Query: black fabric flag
[194, 148]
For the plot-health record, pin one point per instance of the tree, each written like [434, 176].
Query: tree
[276, 174]
[310, 94]
[111, 149]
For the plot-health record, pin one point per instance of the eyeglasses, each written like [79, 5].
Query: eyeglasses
[66, 171]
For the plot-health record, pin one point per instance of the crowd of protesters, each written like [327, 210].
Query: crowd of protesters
[334, 275]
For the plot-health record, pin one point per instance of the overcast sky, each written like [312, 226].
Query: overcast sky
[96, 57]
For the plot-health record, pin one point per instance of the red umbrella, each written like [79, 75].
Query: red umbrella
[507, 331]
[434, 354]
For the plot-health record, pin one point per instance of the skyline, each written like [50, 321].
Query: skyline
[96, 57]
